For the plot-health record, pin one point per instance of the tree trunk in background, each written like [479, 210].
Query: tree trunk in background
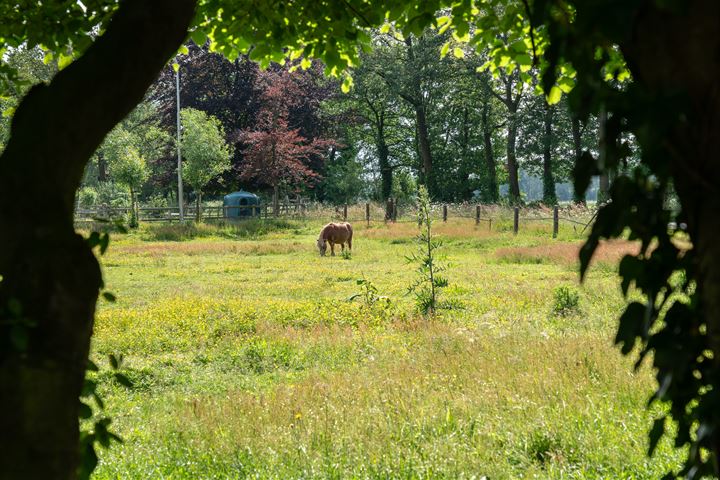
[386, 171]
[512, 165]
[198, 207]
[421, 126]
[512, 121]
[424, 146]
[578, 197]
[465, 169]
[549, 196]
[133, 209]
[276, 201]
[492, 195]
[102, 169]
[604, 185]
[51, 278]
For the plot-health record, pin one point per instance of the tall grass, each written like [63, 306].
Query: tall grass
[248, 362]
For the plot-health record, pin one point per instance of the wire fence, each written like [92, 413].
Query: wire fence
[498, 216]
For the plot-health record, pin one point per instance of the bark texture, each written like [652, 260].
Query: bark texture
[50, 278]
[671, 52]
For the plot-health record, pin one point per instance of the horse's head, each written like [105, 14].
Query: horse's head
[322, 246]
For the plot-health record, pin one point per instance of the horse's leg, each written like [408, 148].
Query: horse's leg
[342, 245]
[350, 243]
[332, 249]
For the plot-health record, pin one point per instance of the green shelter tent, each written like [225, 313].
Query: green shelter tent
[246, 205]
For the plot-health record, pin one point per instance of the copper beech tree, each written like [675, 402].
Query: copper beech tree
[50, 278]
[275, 153]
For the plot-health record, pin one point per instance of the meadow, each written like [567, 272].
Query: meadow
[248, 361]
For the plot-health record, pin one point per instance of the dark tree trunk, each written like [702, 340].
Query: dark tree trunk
[424, 146]
[276, 201]
[386, 171]
[50, 278]
[492, 195]
[512, 165]
[133, 209]
[198, 206]
[578, 197]
[604, 184]
[102, 169]
[670, 52]
[421, 126]
[465, 187]
[549, 196]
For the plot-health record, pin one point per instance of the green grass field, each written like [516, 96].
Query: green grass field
[247, 360]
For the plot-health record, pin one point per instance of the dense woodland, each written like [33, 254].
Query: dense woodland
[413, 116]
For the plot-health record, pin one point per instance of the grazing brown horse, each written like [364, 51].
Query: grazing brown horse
[334, 233]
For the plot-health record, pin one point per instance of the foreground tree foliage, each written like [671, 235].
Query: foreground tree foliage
[672, 107]
[51, 279]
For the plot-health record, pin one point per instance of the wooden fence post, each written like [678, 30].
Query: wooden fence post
[345, 213]
[444, 213]
[516, 220]
[556, 221]
[477, 214]
[367, 213]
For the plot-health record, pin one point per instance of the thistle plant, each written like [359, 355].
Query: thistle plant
[429, 280]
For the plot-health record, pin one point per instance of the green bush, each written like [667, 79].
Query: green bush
[87, 197]
[566, 301]
[112, 195]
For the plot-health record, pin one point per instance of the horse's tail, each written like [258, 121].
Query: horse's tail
[349, 227]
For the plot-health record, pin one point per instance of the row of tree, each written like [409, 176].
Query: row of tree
[413, 116]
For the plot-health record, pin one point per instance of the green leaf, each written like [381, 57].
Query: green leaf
[347, 84]
[458, 52]
[176, 67]
[104, 243]
[524, 59]
[656, 433]
[630, 327]
[88, 459]
[566, 84]
[89, 387]
[64, 61]
[444, 50]
[84, 411]
[109, 297]
[123, 380]
[183, 50]
[115, 361]
[199, 37]
[554, 96]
